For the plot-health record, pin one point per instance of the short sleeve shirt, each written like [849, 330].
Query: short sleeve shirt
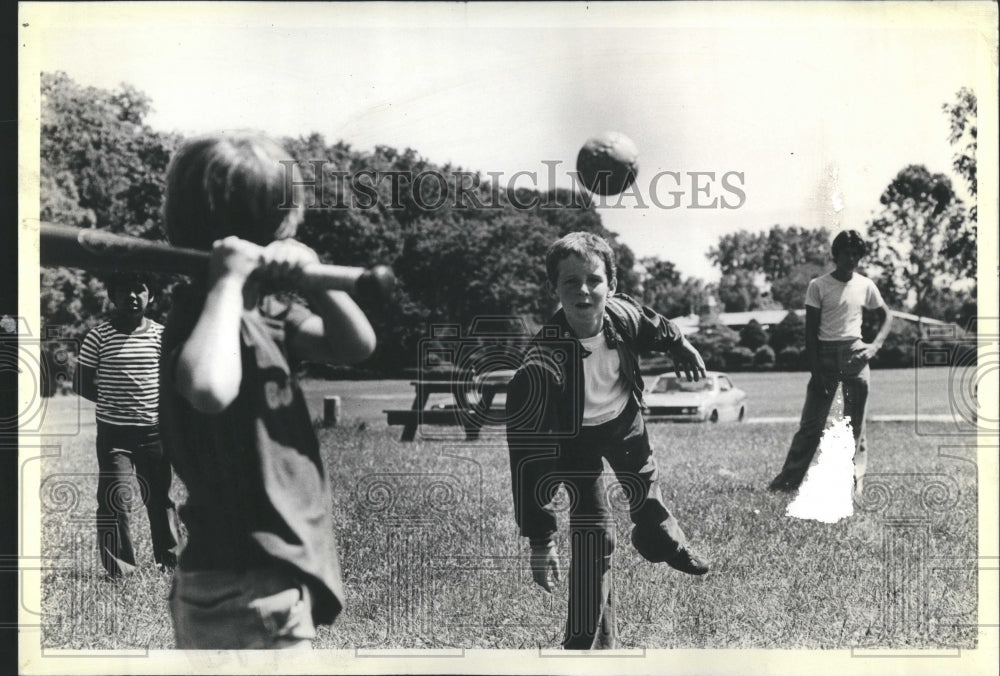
[840, 304]
[258, 492]
[128, 368]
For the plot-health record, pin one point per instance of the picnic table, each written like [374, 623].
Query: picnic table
[473, 401]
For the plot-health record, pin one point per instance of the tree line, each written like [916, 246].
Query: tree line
[102, 165]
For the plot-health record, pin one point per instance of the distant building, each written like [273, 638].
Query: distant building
[768, 318]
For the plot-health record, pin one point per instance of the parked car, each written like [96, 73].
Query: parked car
[713, 398]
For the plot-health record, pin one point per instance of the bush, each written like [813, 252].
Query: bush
[789, 332]
[753, 335]
[899, 348]
[739, 358]
[790, 358]
[764, 357]
[714, 340]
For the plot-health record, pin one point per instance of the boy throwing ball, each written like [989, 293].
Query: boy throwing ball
[567, 413]
[260, 569]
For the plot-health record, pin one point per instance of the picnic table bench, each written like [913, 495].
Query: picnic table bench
[468, 411]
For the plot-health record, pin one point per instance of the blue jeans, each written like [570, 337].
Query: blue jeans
[122, 449]
[254, 609]
[624, 442]
[835, 364]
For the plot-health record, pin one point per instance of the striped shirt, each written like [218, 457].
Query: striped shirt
[128, 372]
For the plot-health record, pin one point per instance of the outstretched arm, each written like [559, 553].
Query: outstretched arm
[656, 332]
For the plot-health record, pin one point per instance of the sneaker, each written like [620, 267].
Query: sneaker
[683, 558]
[688, 561]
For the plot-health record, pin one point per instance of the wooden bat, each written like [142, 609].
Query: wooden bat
[100, 250]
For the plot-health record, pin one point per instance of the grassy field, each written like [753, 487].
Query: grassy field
[431, 558]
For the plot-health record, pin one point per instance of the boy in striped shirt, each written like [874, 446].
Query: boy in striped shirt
[118, 369]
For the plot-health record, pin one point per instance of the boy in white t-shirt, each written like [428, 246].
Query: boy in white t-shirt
[568, 411]
[836, 355]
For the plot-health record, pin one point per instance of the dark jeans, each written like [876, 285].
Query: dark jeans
[120, 450]
[835, 362]
[625, 444]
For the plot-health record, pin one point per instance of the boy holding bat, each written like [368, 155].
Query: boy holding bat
[568, 410]
[260, 569]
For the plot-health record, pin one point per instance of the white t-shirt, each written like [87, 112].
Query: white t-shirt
[840, 304]
[605, 395]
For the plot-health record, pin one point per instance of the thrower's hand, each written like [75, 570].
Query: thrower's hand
[284, 261]
[233, 258]
[863, 355]
[545, 566]
[687, 361]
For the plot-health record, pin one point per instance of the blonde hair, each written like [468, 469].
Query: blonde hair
[240, 184]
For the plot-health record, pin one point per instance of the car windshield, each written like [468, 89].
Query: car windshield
[674, 384]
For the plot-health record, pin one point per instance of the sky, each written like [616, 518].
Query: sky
[809, 109]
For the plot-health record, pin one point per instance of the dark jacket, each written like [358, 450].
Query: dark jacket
[545, 400]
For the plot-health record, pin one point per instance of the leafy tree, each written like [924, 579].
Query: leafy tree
[100, 166]
[714, 340]
[670, 295]
[738, 293]
[963, 133]
[790, 291]
[786, 248]
[772, 254]
[459, 248]
[659, 273]
[117, 163]
[949, 305]
[922, 239]
[899, 348]
[962, 116]
[753, 335]
[741, 250]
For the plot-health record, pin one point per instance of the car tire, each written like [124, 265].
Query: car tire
[743, 414]
[714, 417]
